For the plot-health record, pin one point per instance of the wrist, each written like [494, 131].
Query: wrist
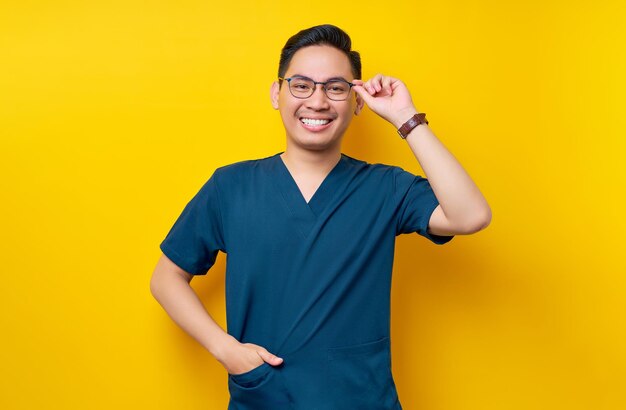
[403, 116]
[413, 122]
[222, 345]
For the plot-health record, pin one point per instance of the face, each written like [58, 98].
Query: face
[320, 63]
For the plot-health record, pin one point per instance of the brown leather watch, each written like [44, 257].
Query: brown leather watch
[414, 121]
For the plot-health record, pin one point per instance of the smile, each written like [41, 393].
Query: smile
[311, 121]
[313, 124]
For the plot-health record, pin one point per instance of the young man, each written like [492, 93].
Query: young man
[310, 235]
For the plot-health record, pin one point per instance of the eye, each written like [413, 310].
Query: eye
[300, 85]
[337, 87]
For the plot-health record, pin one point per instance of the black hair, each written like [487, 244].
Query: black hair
[325, 34]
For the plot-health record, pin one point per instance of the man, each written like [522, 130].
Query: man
[310, 234]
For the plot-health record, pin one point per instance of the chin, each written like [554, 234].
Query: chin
[312, 145]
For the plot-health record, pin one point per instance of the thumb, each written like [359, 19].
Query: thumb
[269, 357]
[360, 90]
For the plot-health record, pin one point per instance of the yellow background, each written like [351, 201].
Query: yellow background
[114, 113]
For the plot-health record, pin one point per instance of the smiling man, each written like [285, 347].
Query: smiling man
[310, 234]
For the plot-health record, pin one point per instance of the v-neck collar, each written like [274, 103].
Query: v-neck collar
[320, 189]
[305, 213]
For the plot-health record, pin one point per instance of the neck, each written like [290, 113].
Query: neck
[308, 162]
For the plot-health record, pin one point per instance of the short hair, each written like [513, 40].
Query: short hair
[325, 34]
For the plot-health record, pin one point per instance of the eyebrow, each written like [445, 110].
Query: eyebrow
[328, 79]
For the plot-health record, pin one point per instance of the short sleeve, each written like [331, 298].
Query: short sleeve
[417, 203]
[197, 235]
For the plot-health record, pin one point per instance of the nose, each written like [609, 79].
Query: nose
[318, 100]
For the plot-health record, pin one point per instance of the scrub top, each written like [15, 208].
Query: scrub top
[309, 281]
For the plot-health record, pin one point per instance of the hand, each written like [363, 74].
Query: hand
[238, 358]
[387, 97]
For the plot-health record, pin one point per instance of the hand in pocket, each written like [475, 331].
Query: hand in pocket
[243, 357]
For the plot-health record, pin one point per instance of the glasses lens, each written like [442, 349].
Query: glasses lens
[301, 87]
[337, 90]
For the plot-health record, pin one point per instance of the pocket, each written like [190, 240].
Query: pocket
[253, 377]
[360, 376]
[258, 389]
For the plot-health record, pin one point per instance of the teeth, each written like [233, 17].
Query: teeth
[309, 121]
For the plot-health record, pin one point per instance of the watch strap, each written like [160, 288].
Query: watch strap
[414, 121]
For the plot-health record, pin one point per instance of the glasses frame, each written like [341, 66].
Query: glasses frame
[315, 83]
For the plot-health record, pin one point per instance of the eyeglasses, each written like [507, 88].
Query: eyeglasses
[303, 87]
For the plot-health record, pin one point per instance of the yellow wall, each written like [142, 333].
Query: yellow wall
[114, 113]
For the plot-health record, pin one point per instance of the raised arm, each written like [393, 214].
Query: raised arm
[462, 208]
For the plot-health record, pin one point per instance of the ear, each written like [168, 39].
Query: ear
[274, 91]
[359, 104]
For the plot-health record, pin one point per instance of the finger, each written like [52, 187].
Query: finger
[368, 87]
[387, 85]
[377, 81]
[269, 357]
[364, 93]
[360, 83]
[377, 85]
[395, 83]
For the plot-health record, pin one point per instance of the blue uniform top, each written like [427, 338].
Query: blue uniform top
[310, 282]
